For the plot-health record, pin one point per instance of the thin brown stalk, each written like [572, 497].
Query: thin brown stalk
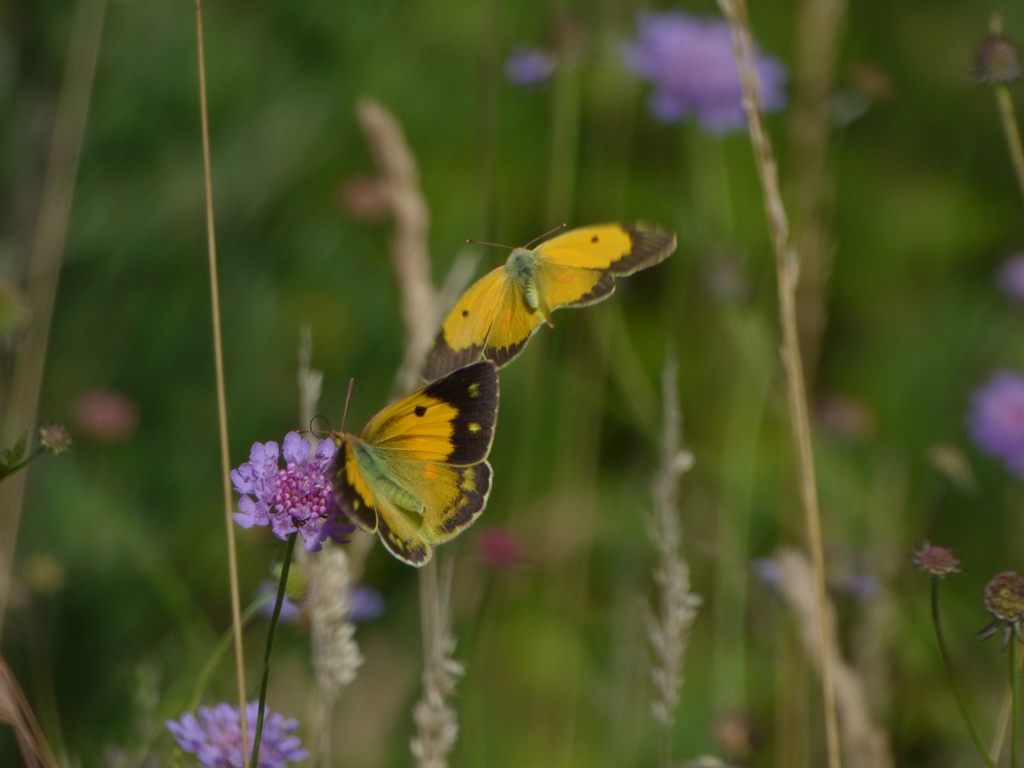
[787, 268]
[218, 359]
[22, 402]
[16, 713]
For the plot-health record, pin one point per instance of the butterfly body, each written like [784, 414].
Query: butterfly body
[418, 474]
[500, 312]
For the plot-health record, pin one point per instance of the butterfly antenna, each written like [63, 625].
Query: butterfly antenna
[351, 383]
[546, 234]
[319, 432]
[509, 248]
[484, 242]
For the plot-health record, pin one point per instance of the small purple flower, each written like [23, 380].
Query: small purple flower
[296, 498]
[530, 66]
[1011, 277]
[366, 604]
[689, 60]
[290, 611]
[996, 419]
[214, 735]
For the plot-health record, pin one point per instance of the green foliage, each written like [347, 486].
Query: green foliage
[925, 209]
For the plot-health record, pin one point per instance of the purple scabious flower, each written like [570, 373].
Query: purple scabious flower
[214, 735]
[295, 498]
[365, 604]
[290, 610]
[530, 66]
[1011, 277]
[996, 419]
[689, 60]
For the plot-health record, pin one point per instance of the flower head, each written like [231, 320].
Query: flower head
[689, 59]
[366, 604]
[996, 419]
[54, 438]
[1011, 277]
[295, 498]
[530, 66]
[997, 60]
[1004, 599]
[938, 561]
[105, 416]
[214, 735]
[499, 548]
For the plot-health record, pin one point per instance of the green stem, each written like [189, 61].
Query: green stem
[5, 471]
[944, 653]
[1012, 130]
[1015, 702]
[223, 645]
[285, 566]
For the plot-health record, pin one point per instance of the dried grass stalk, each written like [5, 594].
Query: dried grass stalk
[16, 713]
[399, 177]
[336, 655]
[437, 726]
[669, 628]
[866, 745]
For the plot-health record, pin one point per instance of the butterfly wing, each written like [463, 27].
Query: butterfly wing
[497, 316]
[579, 267]
[492, 320]
[418, 473]
[616, 249]
[464, 332]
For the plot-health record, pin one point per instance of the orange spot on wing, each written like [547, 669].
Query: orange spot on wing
[506, 319]
[430, 472]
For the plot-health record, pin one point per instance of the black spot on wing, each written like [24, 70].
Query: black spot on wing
[595, 239]
[473, 392]
[420, 410]
[650, 245]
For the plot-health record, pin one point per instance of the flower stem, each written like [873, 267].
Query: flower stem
[1015, 699]
[285, 566]
[944, 653]
[1012, 130]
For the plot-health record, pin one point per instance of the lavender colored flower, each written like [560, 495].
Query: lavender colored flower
[530, 66]
[296, 498]
[689, 60]
[214, 735]
[366, 604]
[996, 419]
[290, 610]
[1011, 277]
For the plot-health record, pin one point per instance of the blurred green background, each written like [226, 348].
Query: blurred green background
[921, 207]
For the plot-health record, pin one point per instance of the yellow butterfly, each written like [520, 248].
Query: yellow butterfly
[418, 472]
[501, 311]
